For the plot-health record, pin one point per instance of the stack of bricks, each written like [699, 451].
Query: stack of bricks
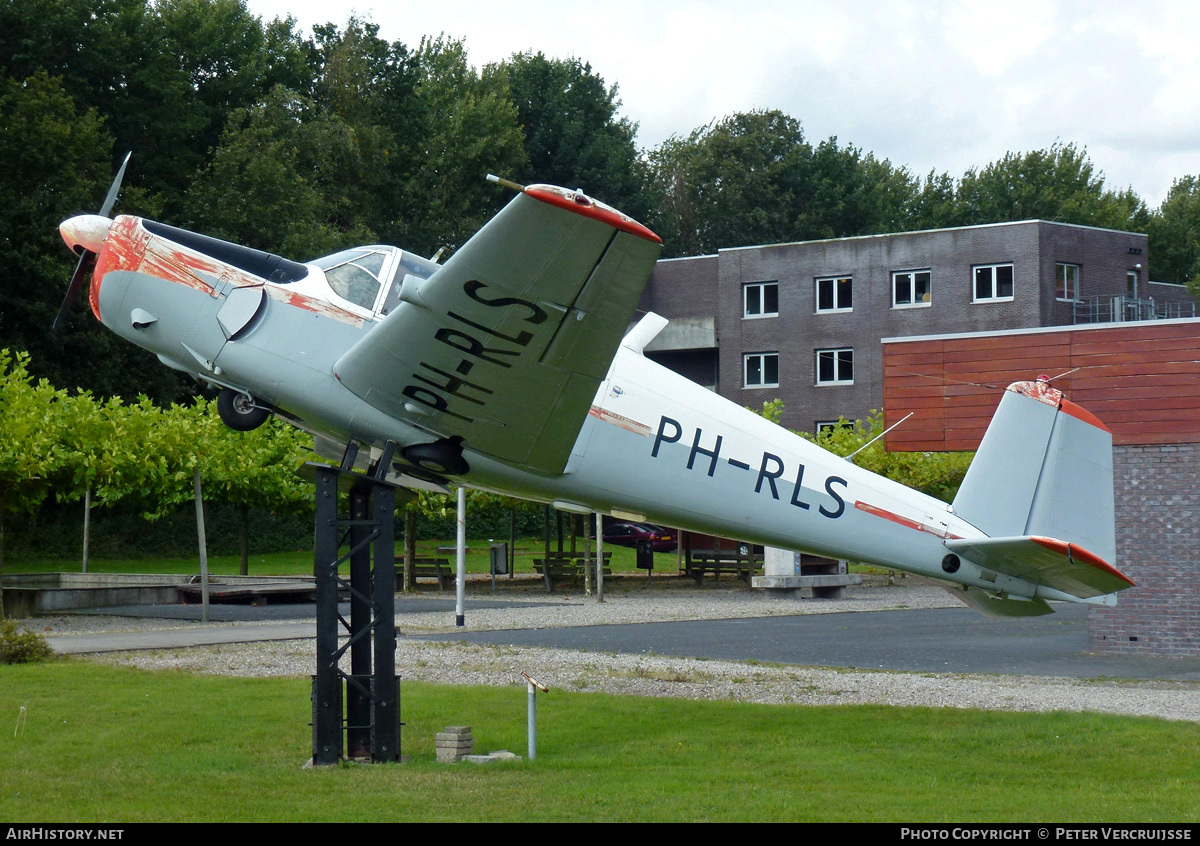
[454, 744]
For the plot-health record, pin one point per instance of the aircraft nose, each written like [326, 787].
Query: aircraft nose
[85, 232]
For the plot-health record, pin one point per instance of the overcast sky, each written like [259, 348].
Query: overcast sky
[932, 85]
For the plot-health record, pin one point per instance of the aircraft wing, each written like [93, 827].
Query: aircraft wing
[1045, 561]
[506, 344]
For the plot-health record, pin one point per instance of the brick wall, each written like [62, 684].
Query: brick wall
[1158, 546]
[712, 285]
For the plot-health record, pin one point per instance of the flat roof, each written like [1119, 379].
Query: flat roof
[930, 231]
[1040, 330]
[687, 258]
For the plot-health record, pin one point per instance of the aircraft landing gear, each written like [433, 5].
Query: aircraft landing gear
[443, 456]
[238, 411]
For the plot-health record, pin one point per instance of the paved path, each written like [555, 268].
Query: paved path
[943, 640]
[947, 640]
[202, 635]
[251, 623]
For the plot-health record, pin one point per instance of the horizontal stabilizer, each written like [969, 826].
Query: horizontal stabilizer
[1056, 564]
[1000, 606]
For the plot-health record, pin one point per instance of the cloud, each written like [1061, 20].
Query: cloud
[933, 85]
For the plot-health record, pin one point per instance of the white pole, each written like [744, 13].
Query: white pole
[203, 545]
[460, 580]
[87, 513]
[531, 724]
[599, 557]
[532, 686]
[587, 559]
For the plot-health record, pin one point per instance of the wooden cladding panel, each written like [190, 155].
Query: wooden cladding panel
[1142, 381]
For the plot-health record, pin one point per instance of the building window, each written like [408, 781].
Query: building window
[761, 370]
[835, 293]
[760, 299]
[831, 425]
[1066, 282]
[911, 289]
[993, 282]
[835, 367]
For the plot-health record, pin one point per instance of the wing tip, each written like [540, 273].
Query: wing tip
[1079, 553]
[580, 203]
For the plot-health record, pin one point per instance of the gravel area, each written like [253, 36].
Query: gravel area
[443, 662]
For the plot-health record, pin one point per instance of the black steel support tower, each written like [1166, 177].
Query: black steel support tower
[371, 704]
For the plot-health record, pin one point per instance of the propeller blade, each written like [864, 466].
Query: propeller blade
[86, 262]
[111, 199]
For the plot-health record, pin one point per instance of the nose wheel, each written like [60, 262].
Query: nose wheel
[239, 412]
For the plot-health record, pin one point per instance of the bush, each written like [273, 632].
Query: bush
[18, 646]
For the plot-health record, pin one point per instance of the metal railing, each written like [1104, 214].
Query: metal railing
[1121, 309]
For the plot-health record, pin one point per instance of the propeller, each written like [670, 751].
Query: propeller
[87, 258]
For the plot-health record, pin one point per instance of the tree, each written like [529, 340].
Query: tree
[933, 205]
[938, 474]
[469, 129]
[852, 193]
[284, 179]
[935, 473]
[163, 75]
[231, 60]
[738, 181]
[1175, 235]
[249, 470]
[30, 448]
[752, 178]
[1059, 183]
[572, 133]
[91, 442]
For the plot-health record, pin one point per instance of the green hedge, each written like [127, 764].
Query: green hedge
[55, 530]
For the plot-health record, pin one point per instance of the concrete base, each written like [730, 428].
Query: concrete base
[500, 755]
[26, 595]
[806, 587]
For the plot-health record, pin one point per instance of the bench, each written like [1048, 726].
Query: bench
[560, 568]
[743, 566]
[427, 568]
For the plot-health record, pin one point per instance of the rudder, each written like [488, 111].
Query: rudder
[1044, 468]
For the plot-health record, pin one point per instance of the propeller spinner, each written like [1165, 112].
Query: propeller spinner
[85, 236]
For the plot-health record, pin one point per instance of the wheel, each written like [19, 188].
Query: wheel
[405, 469]
[238, 411]
[444, 456]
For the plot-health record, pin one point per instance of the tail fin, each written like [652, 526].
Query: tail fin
[1044, 469]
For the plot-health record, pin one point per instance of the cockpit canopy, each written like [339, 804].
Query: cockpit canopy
[370, 277]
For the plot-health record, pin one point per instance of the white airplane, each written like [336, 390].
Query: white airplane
[512, 367]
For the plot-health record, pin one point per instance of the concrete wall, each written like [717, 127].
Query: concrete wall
[1158, 546]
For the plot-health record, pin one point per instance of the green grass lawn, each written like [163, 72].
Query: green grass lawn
[301, 563]
[116, 745]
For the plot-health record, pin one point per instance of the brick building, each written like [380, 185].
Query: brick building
[803, 321]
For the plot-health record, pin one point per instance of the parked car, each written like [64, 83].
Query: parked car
[628, 534]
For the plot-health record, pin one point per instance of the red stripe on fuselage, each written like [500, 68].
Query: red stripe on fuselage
[906, 522]
[123, 250]
[130, 247]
